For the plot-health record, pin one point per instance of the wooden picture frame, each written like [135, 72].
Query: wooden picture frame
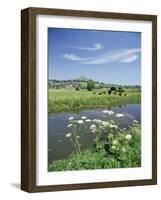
[28, 98]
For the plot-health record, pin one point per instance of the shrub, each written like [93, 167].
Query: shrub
[120, 89]
[113, 88]
[90, 85]
[77, 88]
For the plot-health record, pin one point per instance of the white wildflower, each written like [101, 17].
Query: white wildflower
[108, 112]
[128, 137]
[78, 136]
[98, 121]
[105, 124]
[114, 126]
[70, 125]
[115, 142]
[113, 147]
[119, 115]
[92, 128]
[135, 121]
[68, 135]
[101, 127]
[105, 111]
[71, 118]
[80, 121]
[83, 117]
[110, 125]
[88, 120]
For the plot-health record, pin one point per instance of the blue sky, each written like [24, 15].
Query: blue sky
[106, 56]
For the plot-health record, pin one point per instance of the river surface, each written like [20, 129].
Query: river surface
[60, 147]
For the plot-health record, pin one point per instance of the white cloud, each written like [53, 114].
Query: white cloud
[123, 56]
[97, 46]
[129, 59]
[74, 57]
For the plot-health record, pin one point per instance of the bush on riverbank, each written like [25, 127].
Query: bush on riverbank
[123, 151]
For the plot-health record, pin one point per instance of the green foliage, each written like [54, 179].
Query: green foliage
[113, 88]
[77, 88]
[118, 151]
[120, 90]
[90, 85]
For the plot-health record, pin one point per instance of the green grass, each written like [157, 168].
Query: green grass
[67, 100]
[126, 154]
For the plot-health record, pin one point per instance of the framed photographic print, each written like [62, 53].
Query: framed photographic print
[89, 99]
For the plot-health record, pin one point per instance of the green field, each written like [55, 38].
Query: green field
[71, 100]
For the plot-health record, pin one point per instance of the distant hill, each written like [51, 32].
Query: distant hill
[82, 83]
[81, 78]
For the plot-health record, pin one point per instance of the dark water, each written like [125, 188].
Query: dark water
[60, 147]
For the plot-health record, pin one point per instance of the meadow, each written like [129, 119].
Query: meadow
[71, 100]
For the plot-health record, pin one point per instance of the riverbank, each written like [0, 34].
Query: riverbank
[121, 150]
[71, 100]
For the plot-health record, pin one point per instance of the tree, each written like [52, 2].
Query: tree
[121, 89]
[90, 85]
[113, 88]
[77, 88]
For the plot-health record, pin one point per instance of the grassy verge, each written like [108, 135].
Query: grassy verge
[122, 153]
[67, 100]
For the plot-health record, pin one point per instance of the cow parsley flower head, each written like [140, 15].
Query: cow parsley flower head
[128, 137]
[71, 118]
[108, 112]
[88, 120]
[113, 147]
[68, 135]
[84, 117]
[114, 126]
[93, 128]
[80, 121]
[115, 142]
[97, 121]
[105, 124]
[101, 127]
[69, 125]
[119, 115]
